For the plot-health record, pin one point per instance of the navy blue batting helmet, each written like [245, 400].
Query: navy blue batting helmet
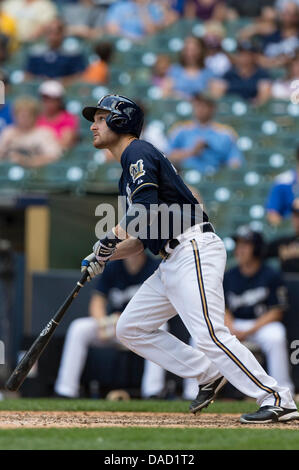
[245, 232]
[125, 116]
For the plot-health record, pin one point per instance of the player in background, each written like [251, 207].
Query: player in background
[188, 281]
[112, 292]
[256, 298]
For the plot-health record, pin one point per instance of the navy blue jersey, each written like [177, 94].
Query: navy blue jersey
[119, 286]
[149, 178]
[250, 297]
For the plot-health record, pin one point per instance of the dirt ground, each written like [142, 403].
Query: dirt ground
[89, 419]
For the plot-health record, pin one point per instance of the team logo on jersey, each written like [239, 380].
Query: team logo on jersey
[137, 170]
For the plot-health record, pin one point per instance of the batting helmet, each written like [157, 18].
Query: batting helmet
[246, 233]
[125, 116]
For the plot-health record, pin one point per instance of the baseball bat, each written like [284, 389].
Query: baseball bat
[23, 368]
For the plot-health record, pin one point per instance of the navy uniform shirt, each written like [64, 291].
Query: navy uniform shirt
[149, 178]
[250, 297]
[287, 250]
[119, 286]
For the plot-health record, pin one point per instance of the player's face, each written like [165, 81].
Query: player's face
[244, 251]
[103, 137]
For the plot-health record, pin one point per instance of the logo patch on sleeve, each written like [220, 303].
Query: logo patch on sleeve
[137, 170]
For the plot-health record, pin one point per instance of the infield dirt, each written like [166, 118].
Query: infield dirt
[102, 419]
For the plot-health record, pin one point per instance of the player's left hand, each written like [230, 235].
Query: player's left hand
[93, 267]
[103, 251]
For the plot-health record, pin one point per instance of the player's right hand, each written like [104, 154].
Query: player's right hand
[93, 266]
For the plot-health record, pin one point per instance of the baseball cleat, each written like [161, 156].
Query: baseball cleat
[270, 414]
[207, 393]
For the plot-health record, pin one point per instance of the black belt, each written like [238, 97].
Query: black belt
[207, 227]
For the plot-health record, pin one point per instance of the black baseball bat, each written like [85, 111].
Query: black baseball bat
[23, 368]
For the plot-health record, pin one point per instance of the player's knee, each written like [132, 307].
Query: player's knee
[276, 336]
[80, 327]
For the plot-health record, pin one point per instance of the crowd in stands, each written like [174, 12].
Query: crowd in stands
[262, 64]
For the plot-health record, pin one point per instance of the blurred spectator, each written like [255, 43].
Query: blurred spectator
[282, 194]
[256, 298]
[26, 144]
[98, 71]
[153, 130]
[286, 248]
[8, 30]
[84, 19]
[280, 4]
[248, 8]
[54, 60]
[54, 116]
[281, 45]
[160, 69]
[282, 89]
[178, 6]
[203, 144]
[263, 25]
[246, 79]
[31, 17]
[206, 10]
[138, 18]
[6, 113]
[190, 75]
[216, 59]
[113, 290]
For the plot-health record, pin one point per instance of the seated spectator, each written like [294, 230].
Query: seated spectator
[282, 194]
[246, 79]
[248, 8]
[255, 298]
[139, 18]
[8, 29]
[203, 144]
[216, 59]
[31, 17]
[98, 71]
[282, 89]
[113, 290]
[84, 19]
[286, 248]
[263, 25]
[190, 75]
[6, 113]
[159, 70]
[53, 60]
[26, 144]
[208, 10]
[54, 116]
[282, 44]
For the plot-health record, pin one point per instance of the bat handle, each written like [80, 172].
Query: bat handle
[83, 279]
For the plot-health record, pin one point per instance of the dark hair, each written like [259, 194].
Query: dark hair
[204, 98]
[201, 60]
[104, 50]
[297, 153]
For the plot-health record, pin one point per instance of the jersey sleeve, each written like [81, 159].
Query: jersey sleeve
[142, 178]
[277, 292]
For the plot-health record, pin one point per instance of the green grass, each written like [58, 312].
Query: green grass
[148, 439]
[135, 438]
[40, 404]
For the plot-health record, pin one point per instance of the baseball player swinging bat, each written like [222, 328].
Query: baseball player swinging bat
[23, 368]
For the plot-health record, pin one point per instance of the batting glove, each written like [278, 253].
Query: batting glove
[103, 250]
[93, 266]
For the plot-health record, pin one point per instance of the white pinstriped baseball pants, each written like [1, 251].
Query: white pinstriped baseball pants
[189, 283]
